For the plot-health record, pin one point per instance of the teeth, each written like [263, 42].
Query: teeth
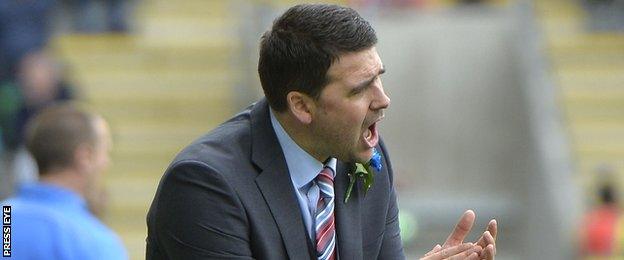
[368, 134]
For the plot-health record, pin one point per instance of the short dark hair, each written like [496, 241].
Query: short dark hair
[54, 135]
[297, 51]
[607, 194]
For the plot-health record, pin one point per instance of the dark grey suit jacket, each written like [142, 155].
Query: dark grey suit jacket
[229, 196]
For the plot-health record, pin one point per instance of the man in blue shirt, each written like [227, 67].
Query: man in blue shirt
[50, 218]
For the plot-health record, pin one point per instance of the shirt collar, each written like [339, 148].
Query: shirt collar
[51, 193]
[302, 166]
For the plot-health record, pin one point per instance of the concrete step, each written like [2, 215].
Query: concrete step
[551, 8]
[599, 58]
[589, 105]
[205, 8]
[150, 145]
[217, 80]
[114, 44]
[589, 79]
[173, 111]
[605, 152]
[591, 93]
[579, 112]
[580, 123]
[129, 193]
[137, 167]
[588, 166]
[589, 67]
[160, 158]
[157, 96]
[603, 139]
[582, 44]
[165, 128]
[594, 104]
[187, 32]
[159, 60]
[72, 44]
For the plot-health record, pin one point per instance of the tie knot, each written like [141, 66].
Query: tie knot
[326, 175]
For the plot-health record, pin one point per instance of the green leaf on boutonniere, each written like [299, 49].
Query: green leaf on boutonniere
[361, 172]
[365, 172]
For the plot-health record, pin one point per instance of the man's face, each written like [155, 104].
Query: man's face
[100, 157]
[345, 121]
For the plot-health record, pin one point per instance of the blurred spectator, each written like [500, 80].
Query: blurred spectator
[37, 85]
[84, 13]
[41, 84]
[51, 219]
[471, 1]
[600, 225]
[605, 15]
[24, 27]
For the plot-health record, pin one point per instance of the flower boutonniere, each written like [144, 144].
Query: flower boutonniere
[364, 172]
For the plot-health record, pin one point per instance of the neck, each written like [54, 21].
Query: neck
[301, 134]
[66, 178]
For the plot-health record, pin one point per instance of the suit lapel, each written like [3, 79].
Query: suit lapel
[348, 228]
[275, 184]
[279, 194]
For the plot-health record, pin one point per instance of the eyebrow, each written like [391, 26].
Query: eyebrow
[361, 86]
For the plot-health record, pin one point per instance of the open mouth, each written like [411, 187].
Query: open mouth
[371, 135]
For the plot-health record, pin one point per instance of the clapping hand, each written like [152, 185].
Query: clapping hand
[454, 248]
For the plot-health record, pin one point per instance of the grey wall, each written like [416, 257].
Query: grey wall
[460, 129]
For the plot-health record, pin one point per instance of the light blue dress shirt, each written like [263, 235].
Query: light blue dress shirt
[52, 222]
[303, 170]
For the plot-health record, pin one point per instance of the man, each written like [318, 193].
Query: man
[50, 218]
[271, 182]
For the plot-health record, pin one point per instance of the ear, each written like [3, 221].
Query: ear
[301, 106]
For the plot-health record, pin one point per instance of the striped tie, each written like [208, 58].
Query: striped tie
[324, 217]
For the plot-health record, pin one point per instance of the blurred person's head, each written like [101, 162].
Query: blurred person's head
[320, 71]
[606, 194]
[70, 146]
[38, 76]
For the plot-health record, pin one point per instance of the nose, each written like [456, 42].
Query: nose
[381, 100]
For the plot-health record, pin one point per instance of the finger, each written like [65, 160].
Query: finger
[486, 239]
[490, 240]
[478, 250]
[468, 254]
[435, 249]
[493, 228]
[488, 253]
[450, 251]
[473, 256]
[463, 227]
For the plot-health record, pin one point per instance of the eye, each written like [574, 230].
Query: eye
[359, 90]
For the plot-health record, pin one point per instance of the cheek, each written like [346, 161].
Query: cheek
[345, 117]
[356, 115]
[102, 161]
